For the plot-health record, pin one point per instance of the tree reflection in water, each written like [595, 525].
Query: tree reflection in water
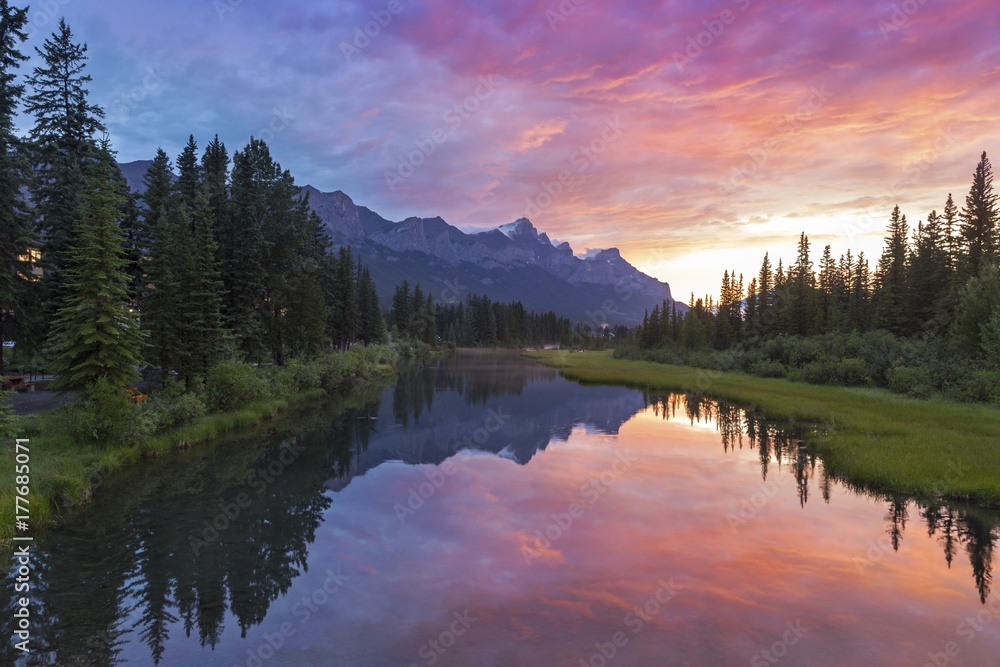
[972, 528]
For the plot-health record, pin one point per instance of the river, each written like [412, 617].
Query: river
[482, 510]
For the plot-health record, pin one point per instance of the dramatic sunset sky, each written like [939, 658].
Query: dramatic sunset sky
[711, 130]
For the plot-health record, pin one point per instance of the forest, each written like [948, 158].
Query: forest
[925, 321]
[219, 267]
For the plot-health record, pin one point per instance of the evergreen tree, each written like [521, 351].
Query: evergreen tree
[765, 302]
[859, 304]
[63, 139]
[891, 278]
[215, 171]
[94, 334]
[371, 324]
[979, 221]
[929, 271]
[430, 329]
[241, 247]
[189, 178]
[802, 284]
[751, 311]
[402, 310]
[166, 299]
[16, 281]
[950, 229]
[346, 316]
[829, 280]
[293, 248]
[206, 335]
[159, 190]
[418, 317]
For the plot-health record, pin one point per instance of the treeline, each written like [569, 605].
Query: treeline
[219, 258]
[926, 319]
[477, 321]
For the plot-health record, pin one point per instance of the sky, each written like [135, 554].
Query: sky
[692, 135]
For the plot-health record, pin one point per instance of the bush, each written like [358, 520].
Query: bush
[880, 351]
[819, 372]
[304, 376]
[768, 368]
[104, 415]
[977, 385]
[232, 385]
[177, 410]
[852, 372]
[914, 382]
[333, 371]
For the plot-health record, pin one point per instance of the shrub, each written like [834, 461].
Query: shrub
[176, 410]
[880, 350]
[819, 372]
[333, 371]
[912, 381]
[304, 376]
[768, 368]
[851, 372]
[978, 385]
[233, 384]
[104, 415]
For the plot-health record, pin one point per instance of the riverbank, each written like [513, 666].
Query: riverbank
[875, 439]
[64, 472]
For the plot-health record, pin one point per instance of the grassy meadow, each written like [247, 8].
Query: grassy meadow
[873, 438]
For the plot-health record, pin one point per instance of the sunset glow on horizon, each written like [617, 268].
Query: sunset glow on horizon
[694, 136]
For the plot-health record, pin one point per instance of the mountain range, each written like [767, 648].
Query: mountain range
[513, 262]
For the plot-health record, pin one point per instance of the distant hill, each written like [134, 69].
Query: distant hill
[134, 172]
[514, 262]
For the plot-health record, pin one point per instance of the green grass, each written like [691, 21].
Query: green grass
[64, 473]
[875, 439]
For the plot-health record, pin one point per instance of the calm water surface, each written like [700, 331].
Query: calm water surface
[484, 511]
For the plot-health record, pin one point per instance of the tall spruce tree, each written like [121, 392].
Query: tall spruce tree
[241, 247]
[929, 272]
[802, 286]
[206, 335]
[189, 178]
[95, 334]
[892, 278]
[371, 323]
[16, 238]
[979, 221]
[168, 266]
[765, 300]
[952, 241]
[63, 143]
